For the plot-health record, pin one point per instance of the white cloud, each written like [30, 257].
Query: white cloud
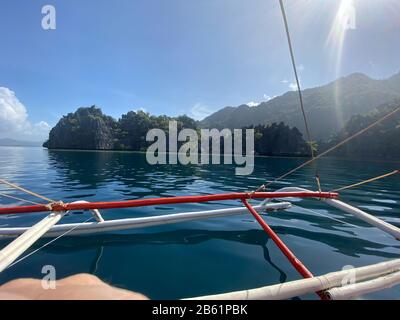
[14, 121]
[42, 125]
[293, 86]
[285, 81]
[200, 111]
[13, 115]
[372, 64]
[141, 109]
[253, 104]
[301, 67]
[267, 97]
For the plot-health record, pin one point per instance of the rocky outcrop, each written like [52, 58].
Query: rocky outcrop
[90, 129]
[87, 128]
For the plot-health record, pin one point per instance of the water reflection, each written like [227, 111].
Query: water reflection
[124, 172]
[190, 237]
[233, 241]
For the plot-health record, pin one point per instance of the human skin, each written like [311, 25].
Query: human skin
[76, 287]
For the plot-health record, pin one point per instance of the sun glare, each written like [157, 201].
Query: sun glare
[345, 20]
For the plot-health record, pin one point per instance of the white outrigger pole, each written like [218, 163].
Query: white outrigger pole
[366, 217]
[11, 252]
[102, 225]
[366, 279]
[358, 213]
[27, 236]
[379, 276]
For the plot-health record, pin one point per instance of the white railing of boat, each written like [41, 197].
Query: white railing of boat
[377, 277]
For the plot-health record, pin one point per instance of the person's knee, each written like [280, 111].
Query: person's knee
[76, 287]
[80, 279]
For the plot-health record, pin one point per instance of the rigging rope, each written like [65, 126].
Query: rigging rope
[13, 185]
[353, 136]
[368, 180]
[16, 198]
[313, 157]
[308, 131]
[296, 75]
[46, 244]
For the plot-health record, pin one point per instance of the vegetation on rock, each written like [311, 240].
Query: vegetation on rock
[89, 128]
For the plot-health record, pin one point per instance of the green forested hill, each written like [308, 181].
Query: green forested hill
[328, 107]
[89, 128]
[382, 141]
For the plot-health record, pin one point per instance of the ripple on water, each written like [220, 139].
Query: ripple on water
[388, 201]
[214, 250]
[375, 208]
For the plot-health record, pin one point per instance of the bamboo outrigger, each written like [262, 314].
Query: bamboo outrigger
[367, 279]
[330, 286]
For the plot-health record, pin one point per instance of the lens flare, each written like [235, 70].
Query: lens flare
[344, 21]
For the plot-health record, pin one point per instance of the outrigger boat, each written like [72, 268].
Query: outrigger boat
[329, 286]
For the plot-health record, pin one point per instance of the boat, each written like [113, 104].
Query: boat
[369, 278]
[258, 203]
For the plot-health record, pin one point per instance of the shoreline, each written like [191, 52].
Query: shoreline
[384, 160]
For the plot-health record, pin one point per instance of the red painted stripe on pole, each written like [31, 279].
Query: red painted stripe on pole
[295, 262]
[299, 266]
[161, 201]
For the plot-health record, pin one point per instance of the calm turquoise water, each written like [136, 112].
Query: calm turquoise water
[204, 257]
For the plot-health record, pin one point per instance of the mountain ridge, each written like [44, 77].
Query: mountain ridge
[7, 142]
[356, 93]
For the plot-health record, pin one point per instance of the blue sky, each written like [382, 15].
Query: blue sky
[177, 56]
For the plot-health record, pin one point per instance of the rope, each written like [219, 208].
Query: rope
[318, 182]
[353, 136]
[308, 131]
[46, 244]
[25, 190]
[368, 181]
[296, 75]
[16, 198]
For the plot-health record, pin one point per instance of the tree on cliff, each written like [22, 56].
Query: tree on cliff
[382, 141]
[279, 139]
[89, 128]
[86, 128]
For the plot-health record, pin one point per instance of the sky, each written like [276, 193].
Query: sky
[179, 56]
